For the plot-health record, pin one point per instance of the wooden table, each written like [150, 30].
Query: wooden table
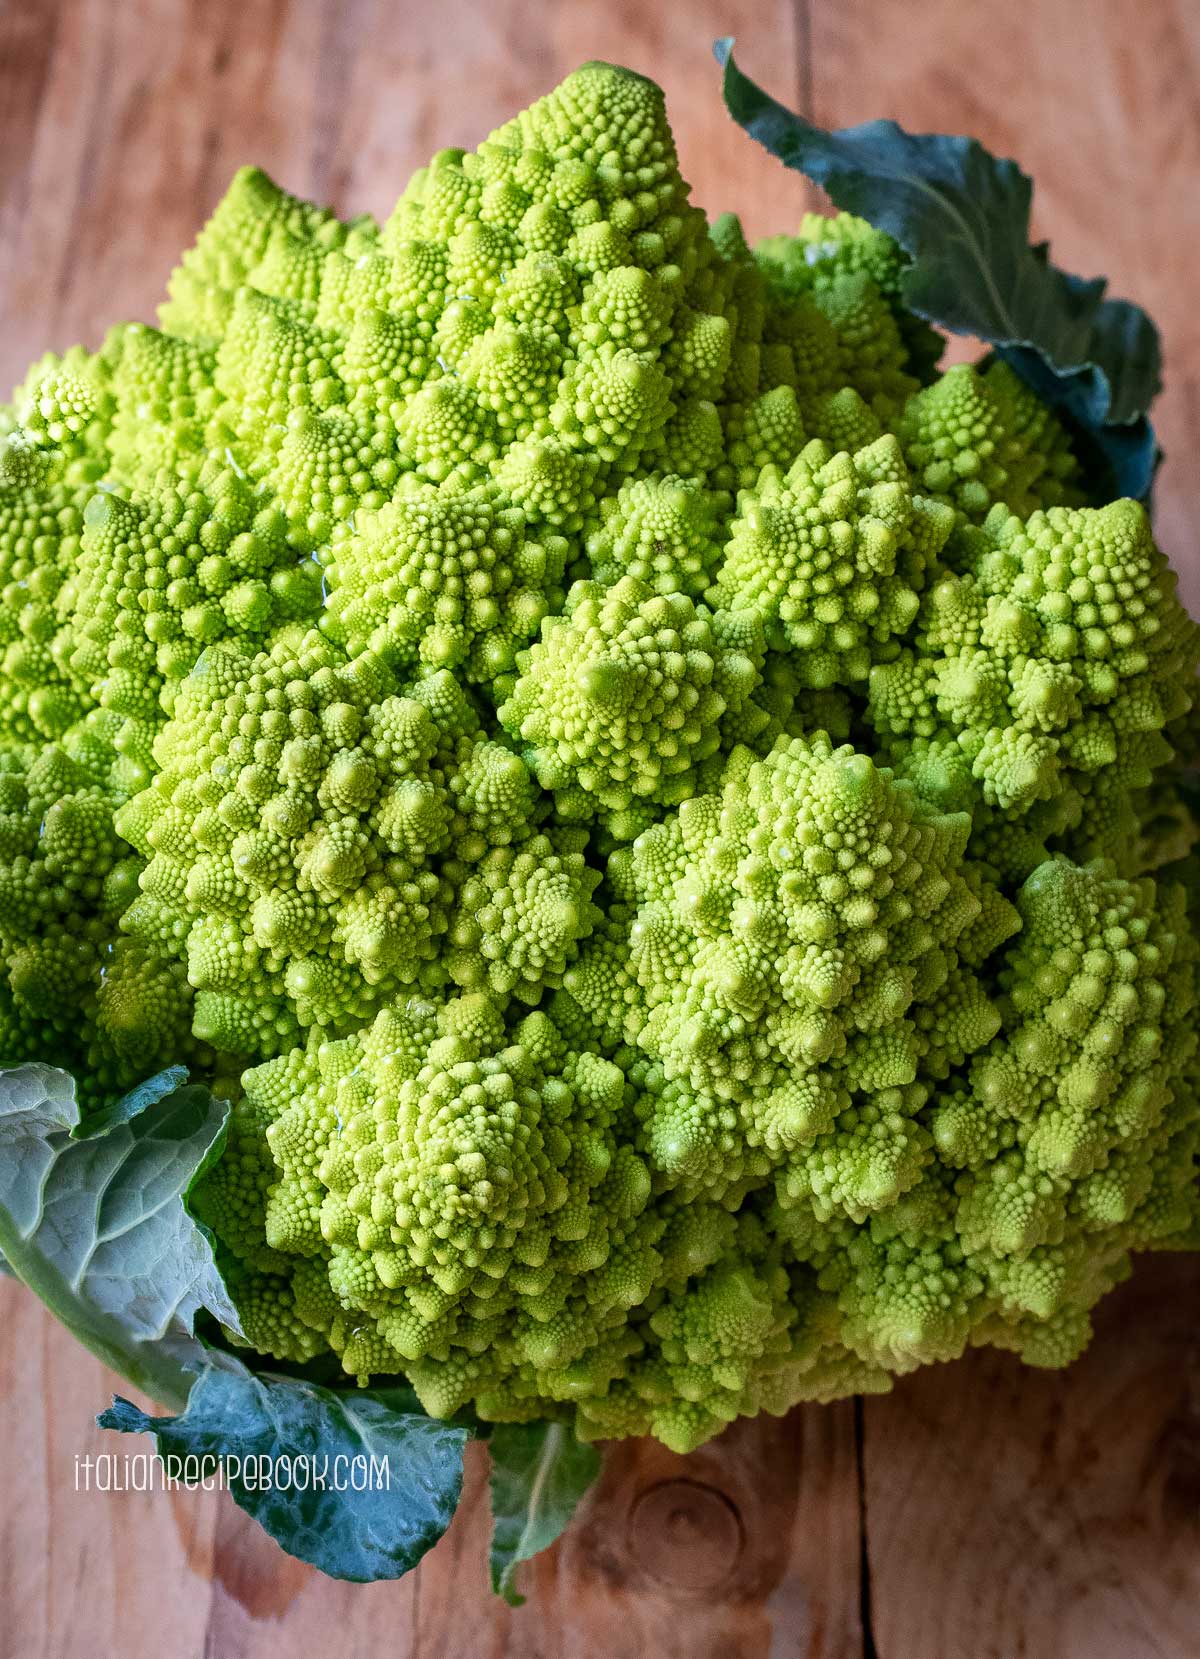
[979, 1512]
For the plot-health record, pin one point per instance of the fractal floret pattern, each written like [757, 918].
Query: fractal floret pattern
[671, 821]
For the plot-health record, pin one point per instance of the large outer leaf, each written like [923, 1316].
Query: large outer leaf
[267, 1423]
[97, 1226]
[539, 1473]
[962, 216]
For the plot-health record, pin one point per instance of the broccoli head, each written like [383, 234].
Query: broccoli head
[672, 823]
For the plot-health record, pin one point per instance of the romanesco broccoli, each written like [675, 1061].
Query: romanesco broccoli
[673, 822]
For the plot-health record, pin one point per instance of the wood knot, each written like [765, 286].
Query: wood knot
[685, 1535]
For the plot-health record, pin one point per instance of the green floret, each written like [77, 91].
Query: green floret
[826, 249]
[158, 580]
[784, 929]
[873, 353]
[513, 1217]
[974, 439]
[230, 246]
[313, 837]
[820, 556]
[520, 916]
[582, 323]
[110, 1009]
[328, 467]
[1072, 1124]
[444, 579]
[232, 1197]
[165, 399]
[41, 520]
[272, 364]
[661, 530]
[66, 404]
[1057, 657]
[1044, 465]
[620, 704]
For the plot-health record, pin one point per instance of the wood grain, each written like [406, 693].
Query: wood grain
[981, 1511]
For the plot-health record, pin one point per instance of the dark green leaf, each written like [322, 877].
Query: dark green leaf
[98, 1229]
[962, 216]
[288, 1447]
[539, 1473]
